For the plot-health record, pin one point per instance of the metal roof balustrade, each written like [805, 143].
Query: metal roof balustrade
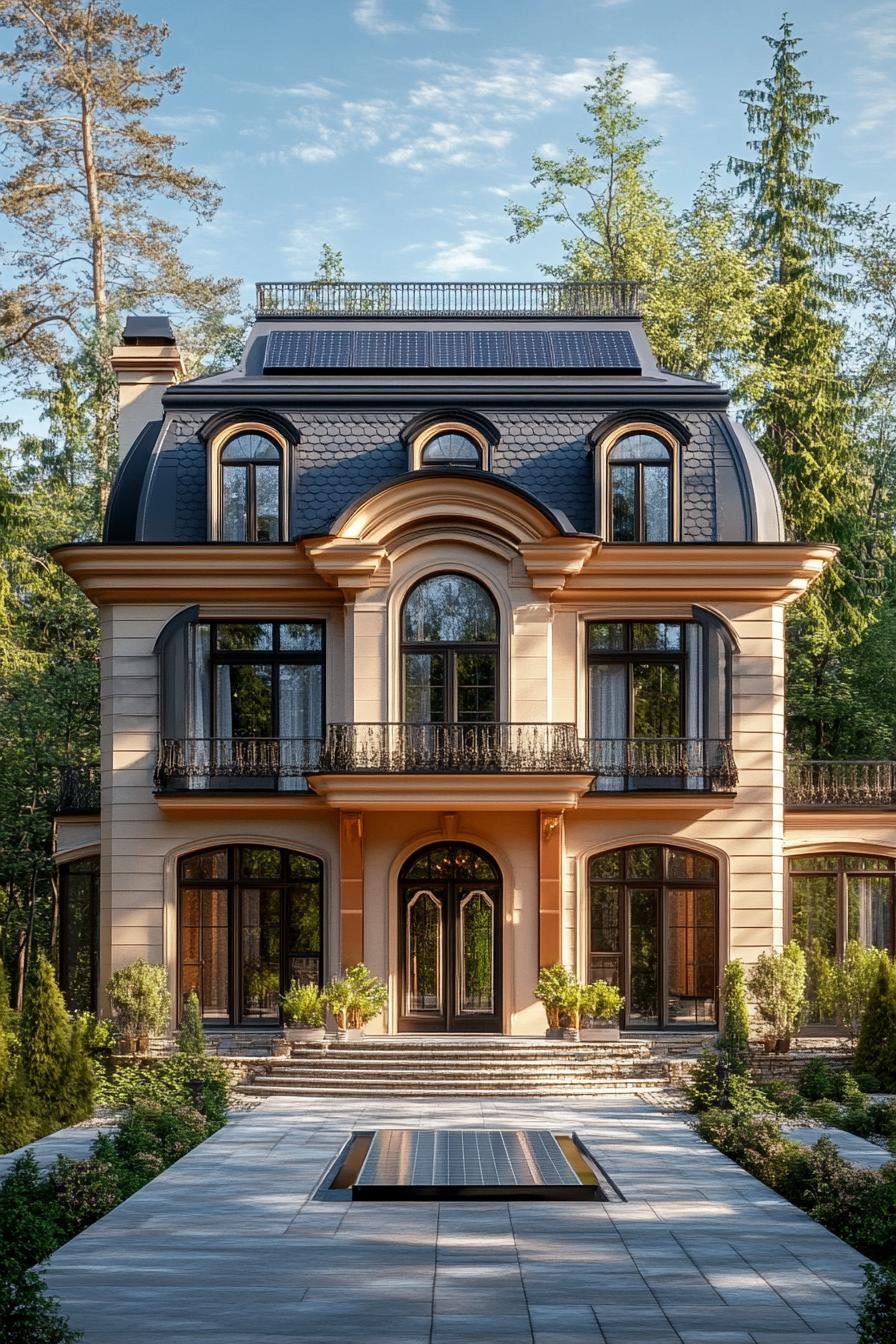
[417, 298]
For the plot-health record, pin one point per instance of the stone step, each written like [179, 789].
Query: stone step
[320, 1088]
[362, 1081]
[462, 1057]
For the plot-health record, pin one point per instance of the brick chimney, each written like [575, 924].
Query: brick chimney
[147, 362]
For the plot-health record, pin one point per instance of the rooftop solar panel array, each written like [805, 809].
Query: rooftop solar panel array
[323, 350]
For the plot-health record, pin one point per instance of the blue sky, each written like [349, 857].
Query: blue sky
[398, 129]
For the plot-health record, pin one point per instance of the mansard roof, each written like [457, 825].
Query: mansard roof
[345, 371]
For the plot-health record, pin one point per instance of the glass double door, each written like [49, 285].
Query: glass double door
[450, 937]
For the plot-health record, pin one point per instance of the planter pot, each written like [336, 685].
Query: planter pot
[600, 1031]
[554, 1034]
[349, 1034]
[143, 1043]
[128, 1044]
[305, 1035]
[570, 1033]
[280, 1048]
[776, 1045]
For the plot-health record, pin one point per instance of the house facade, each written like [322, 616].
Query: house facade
[446, 633]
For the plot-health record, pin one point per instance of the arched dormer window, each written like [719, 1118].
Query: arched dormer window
[449, 651]
[251, 488]
[451, 449]
[640, 488]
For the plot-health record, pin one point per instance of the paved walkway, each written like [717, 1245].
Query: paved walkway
[74, 1142]
[850, 1146]
[226, 1246]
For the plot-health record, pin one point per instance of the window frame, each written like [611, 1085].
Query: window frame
[629, 657]
[842, 872]
[661, 883]
[233, 883]
[274, 656]
[216, 510]
[64, 879]
[434, 431]
[604, 485]
[449, 649]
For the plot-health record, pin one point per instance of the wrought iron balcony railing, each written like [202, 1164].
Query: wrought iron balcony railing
[79, 789]
[416, 298]
[236, 762]
[840, 783]
[452, 748]
[631, 763]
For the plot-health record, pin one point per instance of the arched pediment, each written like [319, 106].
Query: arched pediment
[357, 548]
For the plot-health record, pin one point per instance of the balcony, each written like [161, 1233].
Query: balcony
[650, 764]
[212, 763]
[452, 749]
[312, 298]
[79, 790]
[840, 784]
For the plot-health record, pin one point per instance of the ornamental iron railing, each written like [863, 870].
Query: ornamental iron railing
[629, 763]
[840, 783]
[79, 789]
[452, 748]
[221, 762]
[417, 298]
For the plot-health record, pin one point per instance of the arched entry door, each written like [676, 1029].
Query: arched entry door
[450, 920]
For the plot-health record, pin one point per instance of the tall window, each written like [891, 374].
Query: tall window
[449, 628]
[451, 449]
[258, 679]
[251, 469]
[654, 918]
[251, 921]
[640, 488]
[79, 915]
[838, 897]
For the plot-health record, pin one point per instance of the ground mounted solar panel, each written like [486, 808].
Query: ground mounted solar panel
[325, 350]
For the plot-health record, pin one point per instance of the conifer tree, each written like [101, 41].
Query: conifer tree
[57, 1071]
[876, 1050]
[735, 1040]
[191, 1037]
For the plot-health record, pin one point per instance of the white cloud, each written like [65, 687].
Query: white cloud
[873, 81]
[310, 90]
[304, 242]
[438, 15]
[447, 143]
[369, 15]
[202, 119]
[454, 261]
[313, 153]
[651, 87]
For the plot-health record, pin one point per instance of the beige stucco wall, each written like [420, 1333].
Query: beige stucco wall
[543, 678]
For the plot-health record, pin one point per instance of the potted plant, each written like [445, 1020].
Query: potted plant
[354, 999]
[600, 1006]
[778, 985]
[140, 1003]
[553, 983]
[303, 1013]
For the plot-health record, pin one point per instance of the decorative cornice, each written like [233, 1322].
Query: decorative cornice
[484, 793]
[346, 563]
[551, 564]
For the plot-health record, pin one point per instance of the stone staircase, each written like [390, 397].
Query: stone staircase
[408, 1066]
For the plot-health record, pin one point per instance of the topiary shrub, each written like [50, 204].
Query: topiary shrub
[734, 1042]
[876, 1322]
[191, 1037]
[778, 985]
[139, 999]
[302, 1006]
[876, 1050]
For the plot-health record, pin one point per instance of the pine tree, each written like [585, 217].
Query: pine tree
[57, 1070]
[191, 1037]
[87, 174]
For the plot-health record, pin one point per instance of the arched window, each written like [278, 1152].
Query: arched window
[654, 932]
[449, 630]
[639, 468]
[251, 470]
[79, 929]
[451, 449]
[250, 922]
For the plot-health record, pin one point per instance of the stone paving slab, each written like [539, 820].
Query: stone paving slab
[75, 1142]
[855, 1150]
[227, 1246]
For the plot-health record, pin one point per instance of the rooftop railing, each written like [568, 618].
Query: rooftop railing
[840, 783]
[418, 298]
